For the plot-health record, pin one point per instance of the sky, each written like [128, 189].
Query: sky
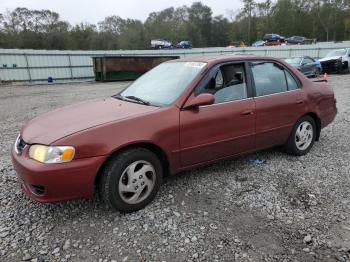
[93, 11]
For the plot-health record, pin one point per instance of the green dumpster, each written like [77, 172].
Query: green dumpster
[120, 68]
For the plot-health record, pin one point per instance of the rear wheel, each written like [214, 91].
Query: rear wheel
[302, 137]
[131, 179]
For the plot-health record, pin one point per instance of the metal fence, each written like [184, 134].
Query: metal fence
[39, 65]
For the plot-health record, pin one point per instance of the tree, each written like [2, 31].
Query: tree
[82, 36]
[1, 22]
[109, 31]
[160, 24]
[220, 31]
[111, 24]
[44, 29]
[132, 35]
[199, 24]
[248, 10]
[264, 12]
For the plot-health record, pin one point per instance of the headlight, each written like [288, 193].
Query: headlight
[51, 154]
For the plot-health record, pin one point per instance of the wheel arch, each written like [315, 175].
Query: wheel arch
[317, 120]
[160, 153]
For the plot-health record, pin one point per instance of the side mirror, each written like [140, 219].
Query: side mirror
[200, 100]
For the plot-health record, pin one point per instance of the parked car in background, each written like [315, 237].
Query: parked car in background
[319, 65]
[258, 43]
[299, 40]
[307, 65]
[161, 44]
[184, 44]
[336, 61]
[273, 39]
[270, 37]
[295, 40]
[181, 114]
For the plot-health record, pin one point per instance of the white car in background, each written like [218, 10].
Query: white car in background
[161, 44]
[336, 61]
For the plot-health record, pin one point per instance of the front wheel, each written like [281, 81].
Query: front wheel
[131, 179]
[302, 137]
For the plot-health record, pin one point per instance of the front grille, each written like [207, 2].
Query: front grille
[331, 66]
[19, 145]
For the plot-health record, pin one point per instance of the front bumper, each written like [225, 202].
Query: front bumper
[56, 182]
[333, 66]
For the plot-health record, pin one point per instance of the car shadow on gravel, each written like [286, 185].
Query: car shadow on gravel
[219, 169]
[222, 198]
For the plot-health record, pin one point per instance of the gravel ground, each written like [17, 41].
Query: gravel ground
[284, 209]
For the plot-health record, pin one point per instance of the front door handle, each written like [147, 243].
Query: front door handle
[247, 112]
[299, 102]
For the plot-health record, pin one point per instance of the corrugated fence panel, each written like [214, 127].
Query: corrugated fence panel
[48, 61]
[31, 65]
[14, 75]
[55, 73]
[84, 60]
[10, 60]
[80, 72]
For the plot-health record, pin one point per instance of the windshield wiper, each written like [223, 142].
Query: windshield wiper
[137, 99]
[118, 96]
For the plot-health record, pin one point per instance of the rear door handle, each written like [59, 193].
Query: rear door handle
[299, 102]
[247, 112]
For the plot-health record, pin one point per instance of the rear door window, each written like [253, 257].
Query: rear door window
[272, 78]
[269, 78]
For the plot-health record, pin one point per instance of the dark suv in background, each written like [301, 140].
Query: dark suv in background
[273, 39]
[184, 44]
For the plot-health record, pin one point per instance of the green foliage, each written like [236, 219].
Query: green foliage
[324, 20]
[199, 24]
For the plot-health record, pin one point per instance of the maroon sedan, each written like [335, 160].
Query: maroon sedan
[181, 114]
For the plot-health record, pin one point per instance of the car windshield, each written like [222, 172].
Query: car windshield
[340, 52]
[163, 84]
[293, 61]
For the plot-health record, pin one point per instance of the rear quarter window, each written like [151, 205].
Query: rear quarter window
[292, 84]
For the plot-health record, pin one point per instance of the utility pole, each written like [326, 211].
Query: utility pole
[248, 8]
[249, 19]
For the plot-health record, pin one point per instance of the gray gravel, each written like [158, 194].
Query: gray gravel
[285, 209]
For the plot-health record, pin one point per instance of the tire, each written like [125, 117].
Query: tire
[299, 144]
[130, 180]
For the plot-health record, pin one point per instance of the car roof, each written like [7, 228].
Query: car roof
[215, 59]
[305, 56]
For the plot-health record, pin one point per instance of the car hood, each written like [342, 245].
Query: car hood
[330, 58]
[52, 126]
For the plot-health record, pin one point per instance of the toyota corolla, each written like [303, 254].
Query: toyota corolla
[181, 114]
